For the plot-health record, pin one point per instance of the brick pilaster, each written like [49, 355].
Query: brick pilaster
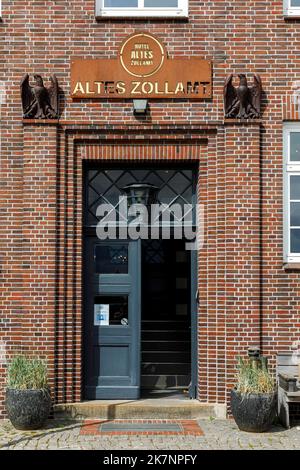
[39, 230]
[242, 242]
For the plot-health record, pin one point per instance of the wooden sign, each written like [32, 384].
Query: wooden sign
[141, 70]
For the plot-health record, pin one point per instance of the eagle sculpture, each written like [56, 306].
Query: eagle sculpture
[242, 102]
[38, 101]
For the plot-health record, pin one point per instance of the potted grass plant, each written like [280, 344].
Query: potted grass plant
[253, 399]
[28, 400]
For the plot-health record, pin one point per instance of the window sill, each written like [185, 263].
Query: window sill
[291, 266]
[141, 13]
[132, 17]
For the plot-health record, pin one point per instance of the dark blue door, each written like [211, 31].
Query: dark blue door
[112, 318]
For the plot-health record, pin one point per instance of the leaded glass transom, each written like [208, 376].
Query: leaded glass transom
[104, 186]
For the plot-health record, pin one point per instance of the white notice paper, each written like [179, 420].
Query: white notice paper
[101, 314]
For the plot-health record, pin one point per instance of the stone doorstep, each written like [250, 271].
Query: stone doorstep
[140, 409]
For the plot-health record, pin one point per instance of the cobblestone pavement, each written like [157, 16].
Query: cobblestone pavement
[218, 434]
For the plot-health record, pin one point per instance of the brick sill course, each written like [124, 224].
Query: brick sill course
[54, 122]
[198, 126]
[291, 17]
[242, 122]
[42, 122]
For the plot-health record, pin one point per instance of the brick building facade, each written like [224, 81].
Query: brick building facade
[248, 290]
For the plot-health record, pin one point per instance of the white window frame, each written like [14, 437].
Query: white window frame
[289, 169]
[289, 10]
[140, 11]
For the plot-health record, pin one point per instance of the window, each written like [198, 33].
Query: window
[149, 8]
[111, 259]
[291, 7]
[291, 148]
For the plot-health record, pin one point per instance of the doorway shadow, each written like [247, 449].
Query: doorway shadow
[160, 394]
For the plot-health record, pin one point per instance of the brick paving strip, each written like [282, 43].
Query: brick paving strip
[216, 434]
[141, 427]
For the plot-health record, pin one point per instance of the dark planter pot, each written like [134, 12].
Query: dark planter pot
[28, 409]
[253, 412]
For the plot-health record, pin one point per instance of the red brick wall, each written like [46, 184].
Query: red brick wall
[246, 295]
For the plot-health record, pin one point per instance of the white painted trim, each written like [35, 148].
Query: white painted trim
[285, 233]
[140, 11]
[289, 169]
[289, 10]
